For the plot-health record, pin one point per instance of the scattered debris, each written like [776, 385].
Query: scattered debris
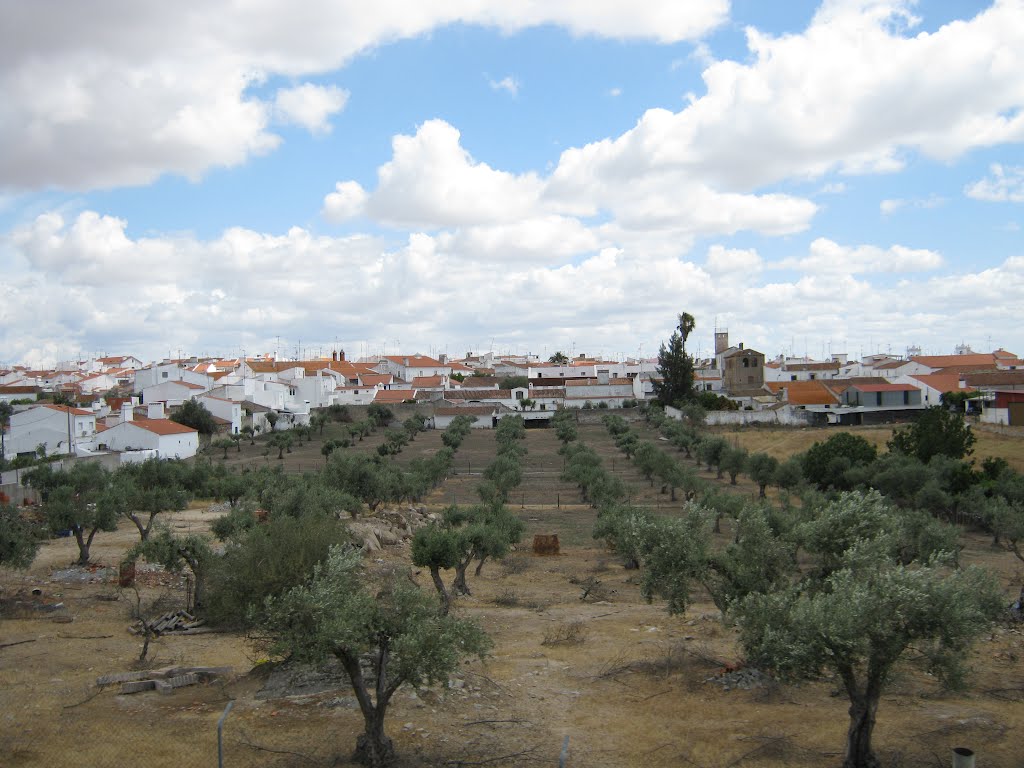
[163, 680]
[743, 678]
[178, 622]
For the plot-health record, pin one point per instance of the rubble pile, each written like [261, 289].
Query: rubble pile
[389, 527]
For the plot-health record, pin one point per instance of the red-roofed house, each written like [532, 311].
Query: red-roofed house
[60, 429]
[159, 438]
[408, 367]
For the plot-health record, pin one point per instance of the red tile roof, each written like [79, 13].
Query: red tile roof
[393, 395]
[162, 426]
[956, 361]
[66, 409]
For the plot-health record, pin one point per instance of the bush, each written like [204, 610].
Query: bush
[265, 561]
[568, 633]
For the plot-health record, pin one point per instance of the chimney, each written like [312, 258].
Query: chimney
[741, 345]
[334, 356]
[127, 412]
[155, 410]
[405, 361]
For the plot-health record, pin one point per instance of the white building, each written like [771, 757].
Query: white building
[165, 438]
[60, 428]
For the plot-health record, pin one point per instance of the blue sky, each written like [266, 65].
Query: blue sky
[455, 176]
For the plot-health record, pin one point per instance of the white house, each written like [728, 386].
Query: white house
[408, 367]
[173, 393]
[228, 410]
[164, 372]
[168, 439]
[51, 426]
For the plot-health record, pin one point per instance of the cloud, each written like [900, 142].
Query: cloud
[890, 206]
[508, 84]
[310, 106]
[431, 181]
[120, 94]
[721, 259]
[1005, 185]
[851, 94]
[615, 92]
[827, 257]
[86, 282]
[347, 201]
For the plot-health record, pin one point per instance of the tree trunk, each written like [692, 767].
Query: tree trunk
[83, 544]
[858, 739]
[480, 565]
[459, 585]
[446, 599]
[761, 487]
[373, 747]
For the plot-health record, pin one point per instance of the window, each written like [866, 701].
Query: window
[746, 362]
[753, 362]
[519, 395]
[163, 375]
[793, 377]
[543, 407]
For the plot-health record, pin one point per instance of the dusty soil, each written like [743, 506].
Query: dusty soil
[626, 683]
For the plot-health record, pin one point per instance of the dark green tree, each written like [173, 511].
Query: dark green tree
[196, 415]
[19, 539]
[825, 463]
[675, 366]
[936, 431]
[559, 358]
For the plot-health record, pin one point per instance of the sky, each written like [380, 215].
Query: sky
[217, 177]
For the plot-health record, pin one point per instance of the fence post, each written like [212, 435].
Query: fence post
[563, 759]
[220, 734]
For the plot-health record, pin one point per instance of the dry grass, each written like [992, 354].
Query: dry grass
[783, 442]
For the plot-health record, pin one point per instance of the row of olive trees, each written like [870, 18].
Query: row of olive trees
[876, 583]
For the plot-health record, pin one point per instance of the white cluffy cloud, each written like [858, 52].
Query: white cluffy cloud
[432, 182]
[827, 257]
[219, 294]
[852, 94]
[310, 106]
[1005, 185]
[98, 95]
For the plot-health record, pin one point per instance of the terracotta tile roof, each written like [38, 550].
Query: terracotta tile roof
[994, 378]
[956, 361]
[373, 379]
[414, 361]
[66, 409]
[162, 426]
[393, 395]
[478, 394]
[19, 390]
[805, 392]
[1003, 354]
[943, 382]
[427, 381]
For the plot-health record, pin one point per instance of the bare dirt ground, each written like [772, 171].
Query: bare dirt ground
[628, 684]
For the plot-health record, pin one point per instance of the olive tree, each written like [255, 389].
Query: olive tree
[19, 540]
[73, 500]
[394, 625]
[861, 615]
